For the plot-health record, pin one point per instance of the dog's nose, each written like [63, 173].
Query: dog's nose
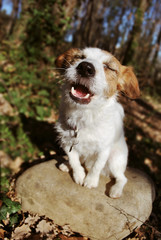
[86, 69]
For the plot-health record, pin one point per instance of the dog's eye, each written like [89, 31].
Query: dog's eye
[106, 66]
[79, 56]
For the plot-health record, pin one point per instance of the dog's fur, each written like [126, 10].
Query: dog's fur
[90, 124]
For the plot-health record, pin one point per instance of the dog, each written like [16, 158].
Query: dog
[90, 124]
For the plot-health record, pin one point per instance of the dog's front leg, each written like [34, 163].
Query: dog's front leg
[78, 170]
[92, 178]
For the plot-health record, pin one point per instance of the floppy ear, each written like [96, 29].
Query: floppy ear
[65, 59]
[128, 83]
[60, 60]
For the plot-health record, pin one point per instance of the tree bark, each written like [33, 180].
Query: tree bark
[13, 17]
[132, 44]
[88, 32]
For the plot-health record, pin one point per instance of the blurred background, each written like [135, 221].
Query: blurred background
[32, 34]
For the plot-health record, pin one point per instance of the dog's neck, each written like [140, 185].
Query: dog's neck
[77, 116]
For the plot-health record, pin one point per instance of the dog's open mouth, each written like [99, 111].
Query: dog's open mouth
[80, 94]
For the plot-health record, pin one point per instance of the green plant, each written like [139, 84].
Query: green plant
[32, 93]
[9, 209]
[45, 27]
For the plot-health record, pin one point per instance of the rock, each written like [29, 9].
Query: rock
[45, 190]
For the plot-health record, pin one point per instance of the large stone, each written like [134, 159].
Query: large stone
[45, 190]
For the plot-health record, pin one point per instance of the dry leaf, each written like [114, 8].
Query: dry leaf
[2, 231]
[7, 220]
[31, 220]
[15, 165]
[21, 232]
[66, 230]
[5, 160]
[139, 137]
[52, 118]
[149, 163]
[44, 227]
[9, 68]
[158, 151]
[5, 107]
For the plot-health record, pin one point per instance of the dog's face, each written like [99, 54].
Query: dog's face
[92, 73]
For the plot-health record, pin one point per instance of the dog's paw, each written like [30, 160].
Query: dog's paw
[79, 176]
[63, 167]
[91, 181]
[115, 191]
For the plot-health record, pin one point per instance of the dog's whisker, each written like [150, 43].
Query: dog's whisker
[67, 61]
[57, 68]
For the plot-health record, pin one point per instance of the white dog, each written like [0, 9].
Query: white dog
[90, 125]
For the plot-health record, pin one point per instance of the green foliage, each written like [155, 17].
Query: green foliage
[45, 27]
[9, 209]
[29, 85]
[5, 173]
[32, 93]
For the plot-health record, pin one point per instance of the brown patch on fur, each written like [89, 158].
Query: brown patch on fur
[112, 80]
[128, 83]
[112, 72]
[67, 58]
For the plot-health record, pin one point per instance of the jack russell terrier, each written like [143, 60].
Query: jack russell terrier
[90, 125]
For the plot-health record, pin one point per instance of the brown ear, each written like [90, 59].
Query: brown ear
[66, 58]
[128, 83]
[60, 60]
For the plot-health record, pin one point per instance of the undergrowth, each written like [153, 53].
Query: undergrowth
[32, 91]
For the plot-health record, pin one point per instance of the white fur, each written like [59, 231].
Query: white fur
[100, 142]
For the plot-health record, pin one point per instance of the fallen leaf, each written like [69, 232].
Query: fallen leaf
[158, 151]
[52, 118]
[9, 68]
[15, 165]
[149, 163]
[66, 230]
[31, 220]
[5, 160]
[44, 227]
[5, 107]
[2, 231]
[7, 220]
[139, 137]
[21, 232]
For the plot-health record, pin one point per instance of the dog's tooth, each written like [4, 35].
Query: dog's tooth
[73, 91]
[87, 96]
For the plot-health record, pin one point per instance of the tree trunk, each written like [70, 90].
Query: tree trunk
[133, 41]
[13, 17]
[157, 46]
[90, 25]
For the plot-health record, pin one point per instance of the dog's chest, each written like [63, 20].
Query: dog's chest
[90, 132]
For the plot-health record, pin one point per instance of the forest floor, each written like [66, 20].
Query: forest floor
[143, 132]
[143, 135]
